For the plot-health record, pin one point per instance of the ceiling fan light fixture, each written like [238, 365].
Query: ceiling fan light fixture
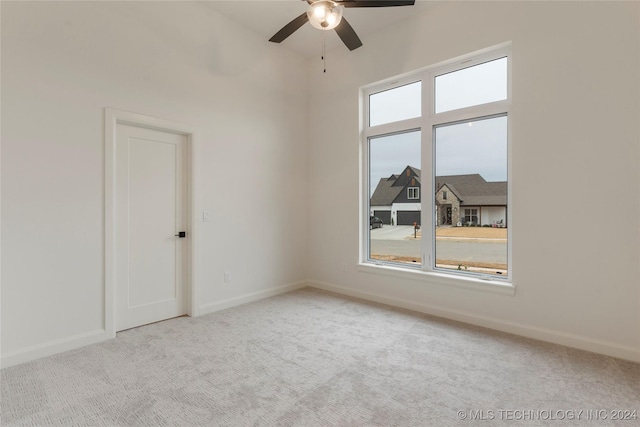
[324, 14]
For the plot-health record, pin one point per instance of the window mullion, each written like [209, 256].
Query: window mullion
[493, 109]
[427, 177]
[391, 128]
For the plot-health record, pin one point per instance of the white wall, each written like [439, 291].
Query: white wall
[574, 122]
[575, 142]
[62, 64]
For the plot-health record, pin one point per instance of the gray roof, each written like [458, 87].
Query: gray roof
[416, 171]
[385, 192]
[452, 188]
[472, 189]
[389, 188]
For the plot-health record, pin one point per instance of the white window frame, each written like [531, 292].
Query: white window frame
[471, 215]
[416, 193]
[427, 124]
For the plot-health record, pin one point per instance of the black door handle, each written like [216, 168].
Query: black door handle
[181, 234]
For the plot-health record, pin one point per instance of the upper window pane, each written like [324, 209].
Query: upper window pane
[471, 86]
[396, 104]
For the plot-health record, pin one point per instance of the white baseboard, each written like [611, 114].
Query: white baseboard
[570, 340]
[244, 299]
[555, 337]
[52, 347]
[70, 343]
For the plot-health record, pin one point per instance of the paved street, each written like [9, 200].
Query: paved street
[389, 232]
[399, 241]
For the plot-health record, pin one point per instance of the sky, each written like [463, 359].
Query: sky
[478, 146]
[389, 155]
[474, 147]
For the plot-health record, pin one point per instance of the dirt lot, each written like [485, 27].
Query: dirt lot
[468, 265]
[472, 232]
[468, 233]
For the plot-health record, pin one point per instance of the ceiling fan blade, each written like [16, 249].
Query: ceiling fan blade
[375, 3]
[289, 29]
[348, 35]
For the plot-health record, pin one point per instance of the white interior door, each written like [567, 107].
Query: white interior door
[151, 209]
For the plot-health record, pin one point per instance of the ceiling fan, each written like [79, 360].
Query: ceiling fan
[327, 15]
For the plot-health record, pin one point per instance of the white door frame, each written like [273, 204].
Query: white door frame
[112, 119]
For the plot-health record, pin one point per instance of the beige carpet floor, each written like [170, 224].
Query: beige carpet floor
[313, 358]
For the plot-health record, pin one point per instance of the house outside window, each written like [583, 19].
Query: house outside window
[445, 129]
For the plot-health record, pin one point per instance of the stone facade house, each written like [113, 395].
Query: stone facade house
[460, 199]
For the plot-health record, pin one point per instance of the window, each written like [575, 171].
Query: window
[471, 156]
[445, 129]
[399, 103]
[471, 86]
[394, 164]
[471, 216]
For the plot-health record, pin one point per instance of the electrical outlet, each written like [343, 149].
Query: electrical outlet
[206, 216]
[344, 267]
[227, 276]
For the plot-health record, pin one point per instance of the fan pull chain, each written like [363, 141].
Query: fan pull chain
[324, 56]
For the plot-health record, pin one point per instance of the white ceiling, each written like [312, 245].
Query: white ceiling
[266, 17]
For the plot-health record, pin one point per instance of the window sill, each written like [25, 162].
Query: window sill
[430, 277]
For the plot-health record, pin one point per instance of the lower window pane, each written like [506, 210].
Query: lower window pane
[394, 205]
[471, 196]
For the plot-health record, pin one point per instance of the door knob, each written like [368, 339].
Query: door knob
[181, 234]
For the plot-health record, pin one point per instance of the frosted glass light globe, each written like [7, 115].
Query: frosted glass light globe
[324, 14]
